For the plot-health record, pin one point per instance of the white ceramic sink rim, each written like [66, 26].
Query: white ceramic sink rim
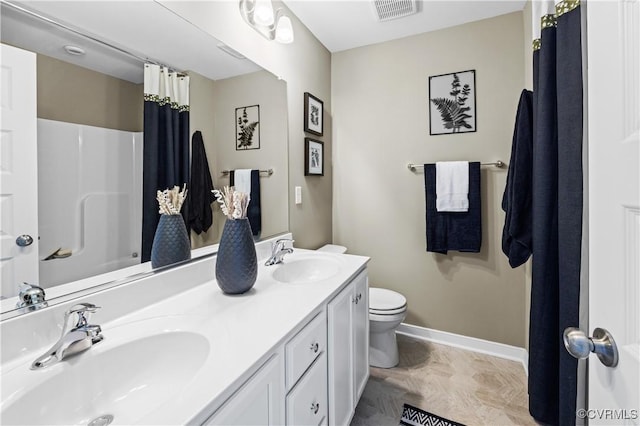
[111, 377]
[305, 268]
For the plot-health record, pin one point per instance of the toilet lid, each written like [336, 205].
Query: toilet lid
[382, 299]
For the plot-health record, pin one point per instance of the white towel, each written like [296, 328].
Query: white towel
[242, 180]
[452, 186]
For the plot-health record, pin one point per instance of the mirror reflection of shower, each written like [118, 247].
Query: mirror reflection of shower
[89, 200]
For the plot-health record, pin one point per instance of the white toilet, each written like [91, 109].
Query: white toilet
[387, 309]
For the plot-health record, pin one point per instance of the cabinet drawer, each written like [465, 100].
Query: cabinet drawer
[305, 347]
[307, 402]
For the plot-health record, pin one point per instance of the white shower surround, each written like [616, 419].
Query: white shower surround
[89, 199]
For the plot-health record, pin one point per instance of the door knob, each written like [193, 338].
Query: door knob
[24, 240]
[579, 345]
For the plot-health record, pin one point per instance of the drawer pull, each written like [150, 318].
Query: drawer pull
[315, 347]
[315, 406]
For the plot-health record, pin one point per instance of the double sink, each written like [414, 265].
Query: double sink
[148, 359]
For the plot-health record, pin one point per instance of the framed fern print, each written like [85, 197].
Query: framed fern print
[452, 103]
[313, 111]
[248, 127]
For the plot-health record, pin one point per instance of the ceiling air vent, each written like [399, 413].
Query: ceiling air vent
[386, 10]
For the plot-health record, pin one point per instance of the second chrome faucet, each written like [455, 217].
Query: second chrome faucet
[77, 336]
[278, 250]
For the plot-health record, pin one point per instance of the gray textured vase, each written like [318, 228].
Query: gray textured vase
[171, 241]
[236, 263]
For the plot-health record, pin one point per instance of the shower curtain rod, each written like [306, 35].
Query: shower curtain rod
[499, 164]
[81, 34]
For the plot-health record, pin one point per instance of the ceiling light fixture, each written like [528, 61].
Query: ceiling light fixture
[259, 14]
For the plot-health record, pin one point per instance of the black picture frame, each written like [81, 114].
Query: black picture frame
[247, 128]
[452, 103]
[313, 157]
[313, 114]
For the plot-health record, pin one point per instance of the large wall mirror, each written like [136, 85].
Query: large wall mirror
[90, 60]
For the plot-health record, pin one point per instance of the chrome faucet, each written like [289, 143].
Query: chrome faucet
[77, 336]
[31, 297]
[278, 250]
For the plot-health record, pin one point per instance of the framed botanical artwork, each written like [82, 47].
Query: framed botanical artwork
[248, 127]
[452, 103]
[313, 110]
[313, 157]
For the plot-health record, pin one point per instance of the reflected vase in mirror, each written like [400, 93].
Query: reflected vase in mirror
[236, 263]
[171, 241]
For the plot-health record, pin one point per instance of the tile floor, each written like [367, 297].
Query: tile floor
[464, 386]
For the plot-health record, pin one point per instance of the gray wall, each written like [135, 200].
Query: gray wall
[380, 123]
[263, 89]
[70, 93]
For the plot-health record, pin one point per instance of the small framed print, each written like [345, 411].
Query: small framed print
[248, 127]
[452, 103]
[313, 157]
[313, 110]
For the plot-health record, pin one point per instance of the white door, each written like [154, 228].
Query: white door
[18, 170]
[614, 205]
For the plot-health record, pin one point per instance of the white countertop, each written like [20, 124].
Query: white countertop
[241, 330]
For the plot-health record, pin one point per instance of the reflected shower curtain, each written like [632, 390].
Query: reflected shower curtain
[557, 212]
[166, 143]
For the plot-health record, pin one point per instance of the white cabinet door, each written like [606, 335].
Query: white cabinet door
[260, 401]
[339, 347]
[360, 334]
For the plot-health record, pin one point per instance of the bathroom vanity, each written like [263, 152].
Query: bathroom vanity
[176, 350]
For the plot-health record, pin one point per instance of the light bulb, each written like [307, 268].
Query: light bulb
[284, 30]
[263, 12]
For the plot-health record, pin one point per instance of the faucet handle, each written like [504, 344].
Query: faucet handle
[83, 310]
[282, 241]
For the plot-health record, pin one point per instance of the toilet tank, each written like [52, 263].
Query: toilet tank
[332, 248]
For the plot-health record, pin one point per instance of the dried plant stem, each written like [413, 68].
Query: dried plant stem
[233, 203]
[171, 200]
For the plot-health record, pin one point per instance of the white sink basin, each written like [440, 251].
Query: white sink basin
[306, 269]
[126, 381]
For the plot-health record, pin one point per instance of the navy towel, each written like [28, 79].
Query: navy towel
[199, 197]
[253, 211]
[460, 231]
[517, 199]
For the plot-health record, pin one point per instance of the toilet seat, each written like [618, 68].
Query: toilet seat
[383, 301]
[388, 312]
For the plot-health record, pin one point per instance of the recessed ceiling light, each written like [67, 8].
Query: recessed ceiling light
[74, 50]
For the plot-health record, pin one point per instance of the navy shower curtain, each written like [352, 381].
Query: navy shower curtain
[166, 144]
[557, 214]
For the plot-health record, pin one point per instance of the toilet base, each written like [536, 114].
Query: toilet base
[383, 349]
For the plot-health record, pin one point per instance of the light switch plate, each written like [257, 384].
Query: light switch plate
[298, 195]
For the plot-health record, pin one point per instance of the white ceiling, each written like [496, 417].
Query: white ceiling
[138, 27]
[346, 24]
[338, 24]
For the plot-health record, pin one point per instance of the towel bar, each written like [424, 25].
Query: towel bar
[499, 164]
[269, 172]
